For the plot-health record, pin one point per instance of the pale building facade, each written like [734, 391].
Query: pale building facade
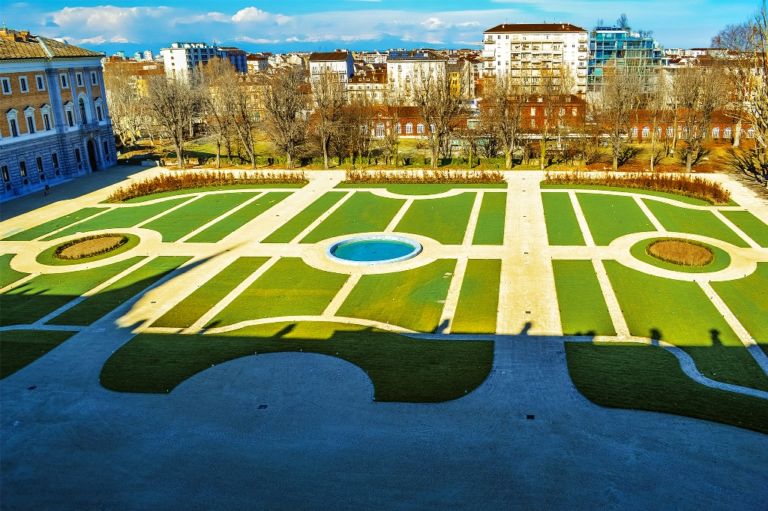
[407, 69]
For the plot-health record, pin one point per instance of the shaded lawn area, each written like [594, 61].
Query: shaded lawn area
[96, 306]
[612, 216]
[748, 300]
[288, 288]
[401, 369]
[421, 189]
[580, 299]
[239, 218]
[649, 378]
[478, 304]
[410, 299]
[120, 217]
[201, 189]
[750, 224]
[639, 191]
[562, 226]
[363, 212]
[490, 223]
[211, 292]
[293, 227]
[46, 293]
[444, 220]
[693, 221]
[58, 223]
[19, 348]
[680, 313]
[7, 274]
[194, 215]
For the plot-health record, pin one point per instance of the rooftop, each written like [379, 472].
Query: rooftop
[328, 56]
[15, 44]
[533, 27]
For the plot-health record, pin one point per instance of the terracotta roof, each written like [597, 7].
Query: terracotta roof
[533, 27]
[23, 45]
[329, 56]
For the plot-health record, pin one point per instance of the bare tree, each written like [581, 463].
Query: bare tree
[217, 78]
[126, 106]
[440, 109]
[502, 110]
[552, 89]
[330, 98]
[285, 108]
[391, 141]
[173, 106]
[657, 106]
[619, 98]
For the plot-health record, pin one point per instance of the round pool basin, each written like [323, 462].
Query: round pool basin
[375, 249]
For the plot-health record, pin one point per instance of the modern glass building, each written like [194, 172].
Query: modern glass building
[627, 48]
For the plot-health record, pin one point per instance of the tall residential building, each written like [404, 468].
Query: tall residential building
[338, 62]
[56, 123]
[527, 50]
[406, 69]
[617, 45]
[181, 58]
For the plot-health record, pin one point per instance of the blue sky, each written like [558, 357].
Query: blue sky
[362, 24]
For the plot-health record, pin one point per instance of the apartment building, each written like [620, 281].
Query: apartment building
[56, 124]
[339, 63]
[406, 69]
[182, 57]
[528, 50]
[622, 47]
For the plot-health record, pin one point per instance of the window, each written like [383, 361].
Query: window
[99, 114]
[634, 132]
[23, 85]
[646, 132]
[83, 116]
[64, 81]
[715, 133]
[751, 133]
[727, 133]
[670, 132]
[29, 117]
[6, 85]
[398, 128]
[79, 79]
[6, 175]
[40, 81]
[94, 78]
[574, 111]
[408, 128]
[533, 111]
[420, 129]
[561, 112]
[46, 113]
[78, 158]
[68, 111]
[23, 168]
[13, 122]
[39, 163]
[379, 130]
[55, 160]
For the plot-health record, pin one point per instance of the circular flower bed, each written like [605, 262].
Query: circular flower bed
[91, 246]
[682, 252]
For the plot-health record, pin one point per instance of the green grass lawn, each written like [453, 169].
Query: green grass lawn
[96, 306]
[693, 221]
[19, 348]
[48, 256]
[748, 300]
[680, 313]
[411, 299]
[750, 224]
[650, 193]
[720, 261]
[239, 218]
[649, 378]
[58, 223]
[194, 215]
[201, 189]
[363, 212]
[562, 226]
[7, 274]
[209, 293]
[421, 189]
[120, 217]
[444, 220]
[479, 298]
[490, 223]
[401, 369]
[288, 288]
[46, 293]
[612, 216]
[303, 219]
[581, 302]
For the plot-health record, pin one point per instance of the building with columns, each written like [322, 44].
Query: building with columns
[55, 123]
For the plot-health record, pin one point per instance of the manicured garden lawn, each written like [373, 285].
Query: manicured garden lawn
[19, 348]
[7, 274]
[96, 306]
[562, 226]
[201, 189]
[693, 221]
[612, 216]
[211, 292]
[641, 192]
[401, 369]
[748, 300]
[46, 293]
[363, 212]
[490, 223]
[478, 304]
[444, 220]
[48, 256]
[582, 306]
[239, 218]
[288, 288]
[288, 231]
[194, 215]
[649, 378]
[411, 299]
[680, 313]
[720, 261]
[421, 189]
[750, 224]
[121, 217]
[58, 223]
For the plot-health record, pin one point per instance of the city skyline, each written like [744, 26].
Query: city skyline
[353, 24]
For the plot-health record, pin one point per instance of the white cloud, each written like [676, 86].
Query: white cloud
[250, 15]
[433, 23]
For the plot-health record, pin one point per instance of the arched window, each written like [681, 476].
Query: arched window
[646, 132]
[728, 133]
[634, 132]
[380, 130]
[751, 133]
[670, 132]
[99, 110]
[420, 129]
[658, 132]
[715, 133]
[83, 116]
[409, 128]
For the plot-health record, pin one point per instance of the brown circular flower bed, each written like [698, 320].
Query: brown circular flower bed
[91, 246]
[683, 252]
